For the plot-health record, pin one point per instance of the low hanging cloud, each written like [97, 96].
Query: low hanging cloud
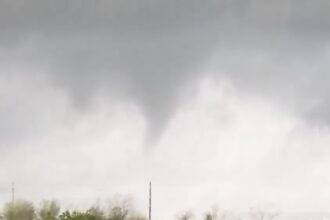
[144, 52]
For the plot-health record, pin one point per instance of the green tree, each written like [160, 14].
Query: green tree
[67, 215]
[49, 210]
[19, 210]
[91, 214]
[118, 213]
[120, 209]
[95, 213]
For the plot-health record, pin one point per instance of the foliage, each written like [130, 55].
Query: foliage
[67, 215]
[120, 210]
[137, 217]
[49, 210]
[118, 213]
[19, 210]
[95, 213]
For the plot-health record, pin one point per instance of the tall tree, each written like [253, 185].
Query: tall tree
[19, 210]
[49, 210]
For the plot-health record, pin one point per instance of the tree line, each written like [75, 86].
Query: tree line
[50, 210]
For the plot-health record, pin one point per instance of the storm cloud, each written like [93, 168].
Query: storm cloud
[146, 51]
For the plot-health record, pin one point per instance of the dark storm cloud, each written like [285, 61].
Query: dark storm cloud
[145, 50]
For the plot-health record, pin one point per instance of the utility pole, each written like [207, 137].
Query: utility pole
[150, 200]
[13, 192]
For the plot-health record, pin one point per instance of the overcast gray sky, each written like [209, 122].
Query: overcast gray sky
[217, 101]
